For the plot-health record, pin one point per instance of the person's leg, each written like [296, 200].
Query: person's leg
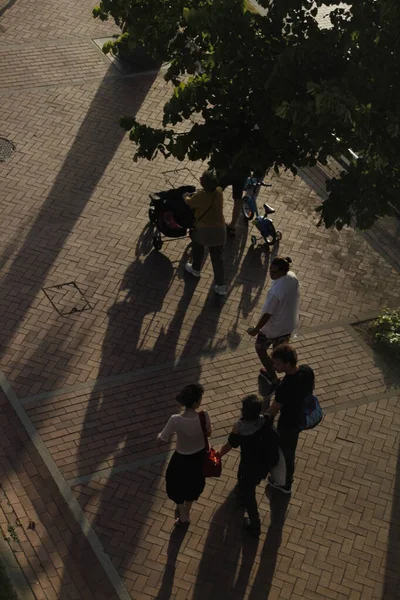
[237, 207]
[268, 365]
[188, 506]
[289, 439]
[278, 472]
[247, 488]
[217, 261]
[197, 256]
[181, 513]
[237, 196]
[262, 345]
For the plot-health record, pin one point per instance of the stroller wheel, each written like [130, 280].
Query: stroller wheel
[253, 240]
[152, 216]
[157, 242]
[278, 236]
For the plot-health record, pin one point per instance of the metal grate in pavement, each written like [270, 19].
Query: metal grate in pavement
[67, 298]
[182, 176]
[6, 148]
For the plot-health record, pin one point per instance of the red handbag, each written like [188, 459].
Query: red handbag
[212, 461]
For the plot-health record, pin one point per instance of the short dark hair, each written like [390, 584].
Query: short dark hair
[190, 395]
[286, 353]
[251, 407]
[283, 264]
[209, 181]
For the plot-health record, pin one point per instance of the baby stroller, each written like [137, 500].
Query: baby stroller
[170, 214]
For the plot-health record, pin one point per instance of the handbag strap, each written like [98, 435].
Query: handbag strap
[206, 211]
[202, 418]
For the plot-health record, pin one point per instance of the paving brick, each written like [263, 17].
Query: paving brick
[74, 207]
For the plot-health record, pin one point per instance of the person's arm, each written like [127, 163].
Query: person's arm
[191, 199]
[225, 449]
[273, 409]
[233, 437]
[269, 308]
[208, 424]
[166, 433]
[263, 320]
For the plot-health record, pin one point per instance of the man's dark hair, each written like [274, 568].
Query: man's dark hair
[251, 407]
[283, 264]
[285, 353]
[190, 395]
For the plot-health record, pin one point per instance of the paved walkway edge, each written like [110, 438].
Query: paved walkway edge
[65, 491]
[90, 384]
[216, 442]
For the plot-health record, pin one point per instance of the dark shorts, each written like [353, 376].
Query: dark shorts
[263, 343]
[237, 184]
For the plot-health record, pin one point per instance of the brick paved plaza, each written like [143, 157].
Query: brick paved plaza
[85, 394]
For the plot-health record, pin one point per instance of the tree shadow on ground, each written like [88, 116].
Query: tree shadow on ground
[72, 189]
[79, 175]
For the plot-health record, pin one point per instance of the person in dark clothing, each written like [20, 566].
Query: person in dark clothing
[297, 384]
[259, 453]
[237, 179]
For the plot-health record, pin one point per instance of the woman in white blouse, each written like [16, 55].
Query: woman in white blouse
[184, 478]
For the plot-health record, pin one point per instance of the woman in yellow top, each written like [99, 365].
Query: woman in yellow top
[210, 229]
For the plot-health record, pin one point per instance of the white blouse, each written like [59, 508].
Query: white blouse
[190, 438]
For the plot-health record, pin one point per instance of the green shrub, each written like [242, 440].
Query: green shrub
[386, 332]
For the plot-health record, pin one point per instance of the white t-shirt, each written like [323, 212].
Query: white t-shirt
[190, 437]
[282, 304]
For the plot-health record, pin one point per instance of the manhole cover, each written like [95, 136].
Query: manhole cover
[6, 149]
[67, 298]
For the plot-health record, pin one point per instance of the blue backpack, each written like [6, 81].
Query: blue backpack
[311, 413]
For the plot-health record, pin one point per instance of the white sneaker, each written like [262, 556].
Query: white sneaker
[220, 290]
[189, 269]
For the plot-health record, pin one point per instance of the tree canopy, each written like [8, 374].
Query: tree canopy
[276, 91]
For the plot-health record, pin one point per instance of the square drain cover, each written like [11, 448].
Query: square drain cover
[67, 298]
[6, 149]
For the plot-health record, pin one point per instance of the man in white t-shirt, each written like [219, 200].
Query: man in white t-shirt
[280, 315]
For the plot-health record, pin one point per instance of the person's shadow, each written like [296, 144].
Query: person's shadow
[251, 278]
[175, 542]
[226, 544]
[269, 552]
[136, 336]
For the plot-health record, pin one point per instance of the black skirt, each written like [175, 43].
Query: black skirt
[184, 477]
